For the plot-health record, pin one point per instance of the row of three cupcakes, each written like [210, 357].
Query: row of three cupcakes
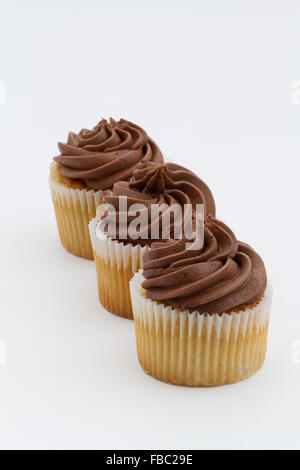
[201, 316]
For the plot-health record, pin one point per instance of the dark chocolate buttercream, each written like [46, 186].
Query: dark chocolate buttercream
[110, 152]
[222, 275]
[164, 185]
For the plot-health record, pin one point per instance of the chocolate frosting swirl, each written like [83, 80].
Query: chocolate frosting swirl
[223, 275]
[165, 184]
[110, 152]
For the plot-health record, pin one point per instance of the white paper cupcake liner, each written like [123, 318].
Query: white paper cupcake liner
[199, 349]
[116, 263]
[74, 209]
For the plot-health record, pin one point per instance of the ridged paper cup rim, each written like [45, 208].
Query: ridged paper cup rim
[146, 309]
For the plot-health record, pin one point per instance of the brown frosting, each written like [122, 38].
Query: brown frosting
[222, 275]
[150, 184]
[110, 152]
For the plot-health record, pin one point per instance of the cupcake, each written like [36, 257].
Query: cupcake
[88, 166]
[201, 315]
[119, 255]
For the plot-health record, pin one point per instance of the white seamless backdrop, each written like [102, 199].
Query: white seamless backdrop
[216, 85]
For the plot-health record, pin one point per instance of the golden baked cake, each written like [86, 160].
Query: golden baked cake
[201, 315]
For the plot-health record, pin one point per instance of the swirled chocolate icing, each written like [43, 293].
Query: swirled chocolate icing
[108, 153]
[222, 275]
[163, 185]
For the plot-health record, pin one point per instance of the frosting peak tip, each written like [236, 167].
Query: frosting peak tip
[107, 153]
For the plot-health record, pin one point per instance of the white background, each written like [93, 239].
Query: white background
[211, 82]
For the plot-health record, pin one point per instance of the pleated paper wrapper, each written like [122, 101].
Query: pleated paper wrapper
[196, 350]
[116, 263]
[74, 208]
